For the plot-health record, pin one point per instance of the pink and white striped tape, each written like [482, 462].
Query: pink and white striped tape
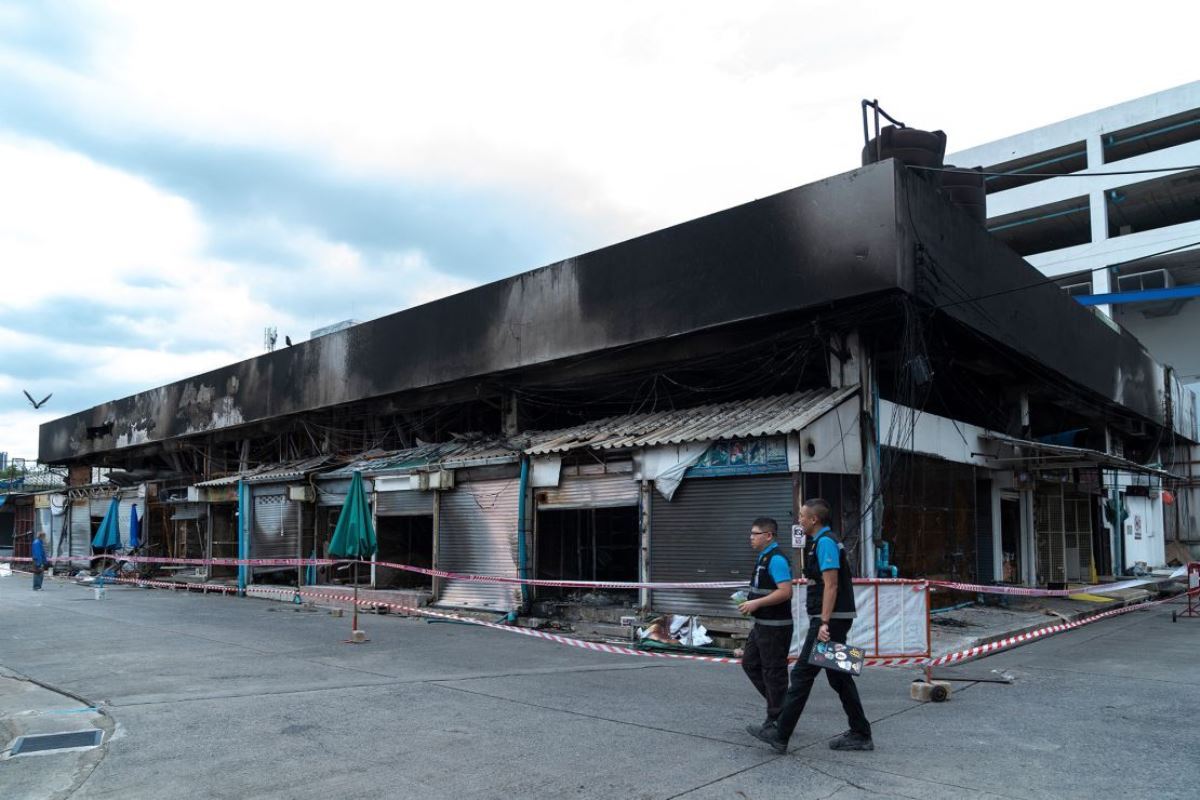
[612, 585]
[957, 657]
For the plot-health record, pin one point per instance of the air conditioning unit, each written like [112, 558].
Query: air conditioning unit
[300, 494]
[1141, 281]
[425, 481]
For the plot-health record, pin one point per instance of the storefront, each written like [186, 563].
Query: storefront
[587, 527]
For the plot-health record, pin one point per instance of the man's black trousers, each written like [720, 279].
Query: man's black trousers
[803, 675]
[765, 660]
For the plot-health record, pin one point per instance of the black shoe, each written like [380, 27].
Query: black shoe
[768, 734]
[852, 741]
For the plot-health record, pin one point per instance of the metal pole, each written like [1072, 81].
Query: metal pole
[299, 544]
[522, 512]
[435, 584]
[243, 536]
[375, 525]
[644, 562]
[208, 524]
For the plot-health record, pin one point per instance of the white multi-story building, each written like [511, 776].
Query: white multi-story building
[1125, 242]
[1134, 235]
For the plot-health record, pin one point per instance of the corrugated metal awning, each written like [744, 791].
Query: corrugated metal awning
[457, 454]
[1061, 456]
[767, 416]
[267, 473]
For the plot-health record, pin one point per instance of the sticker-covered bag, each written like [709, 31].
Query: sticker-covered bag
[837, 657]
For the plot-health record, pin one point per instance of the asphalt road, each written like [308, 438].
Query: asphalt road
[216, 697]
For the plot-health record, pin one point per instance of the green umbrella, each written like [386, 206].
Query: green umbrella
[354, 536]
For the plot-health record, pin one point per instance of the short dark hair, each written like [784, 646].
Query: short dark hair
[767, 525]
[820, 508]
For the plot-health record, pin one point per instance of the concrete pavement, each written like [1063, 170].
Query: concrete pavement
[217, 697]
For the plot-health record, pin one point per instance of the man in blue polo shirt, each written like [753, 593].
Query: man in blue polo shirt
[770, 603]
[829, 601]
[39, 560]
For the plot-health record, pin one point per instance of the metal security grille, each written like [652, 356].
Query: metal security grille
[1077, 530]
[1051, 545]
[477, 534]
[703, 534]
[589, 491]
[403, 504]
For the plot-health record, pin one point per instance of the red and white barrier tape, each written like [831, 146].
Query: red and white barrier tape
[614, 585]
[1096, 588]
[446, 575]
[959, 657]
[1010, 642]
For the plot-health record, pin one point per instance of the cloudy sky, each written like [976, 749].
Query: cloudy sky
[176, 176]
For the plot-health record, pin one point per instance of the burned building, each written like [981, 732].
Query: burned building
[624, 414]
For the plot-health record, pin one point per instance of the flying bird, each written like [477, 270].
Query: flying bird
[35, 403]
[287, 339]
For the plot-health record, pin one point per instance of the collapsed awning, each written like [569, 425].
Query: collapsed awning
[1061, 456]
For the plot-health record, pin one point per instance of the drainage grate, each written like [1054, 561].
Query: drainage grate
[56, 741]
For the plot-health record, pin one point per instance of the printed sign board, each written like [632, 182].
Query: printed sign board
[798, 537]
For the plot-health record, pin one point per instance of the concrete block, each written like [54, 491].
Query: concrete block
[930, 691]
[358, 637]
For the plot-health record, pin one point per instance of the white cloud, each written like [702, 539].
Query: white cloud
[121, 254]
[626, 116]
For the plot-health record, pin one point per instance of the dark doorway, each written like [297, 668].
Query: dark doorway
[404, 540]
[1010, 539]
[224, 538]
[590, 544]
[843, 494]
[7, 525]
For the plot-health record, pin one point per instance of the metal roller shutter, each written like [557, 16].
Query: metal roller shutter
[403, 504]
[332, 493]
[98, 506]
[275, 524]
[477, 533]
[590, 491]
[703, 534]
[81, 528]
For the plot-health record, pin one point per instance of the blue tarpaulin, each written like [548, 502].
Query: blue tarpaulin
[135, 527]
[108, 537]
